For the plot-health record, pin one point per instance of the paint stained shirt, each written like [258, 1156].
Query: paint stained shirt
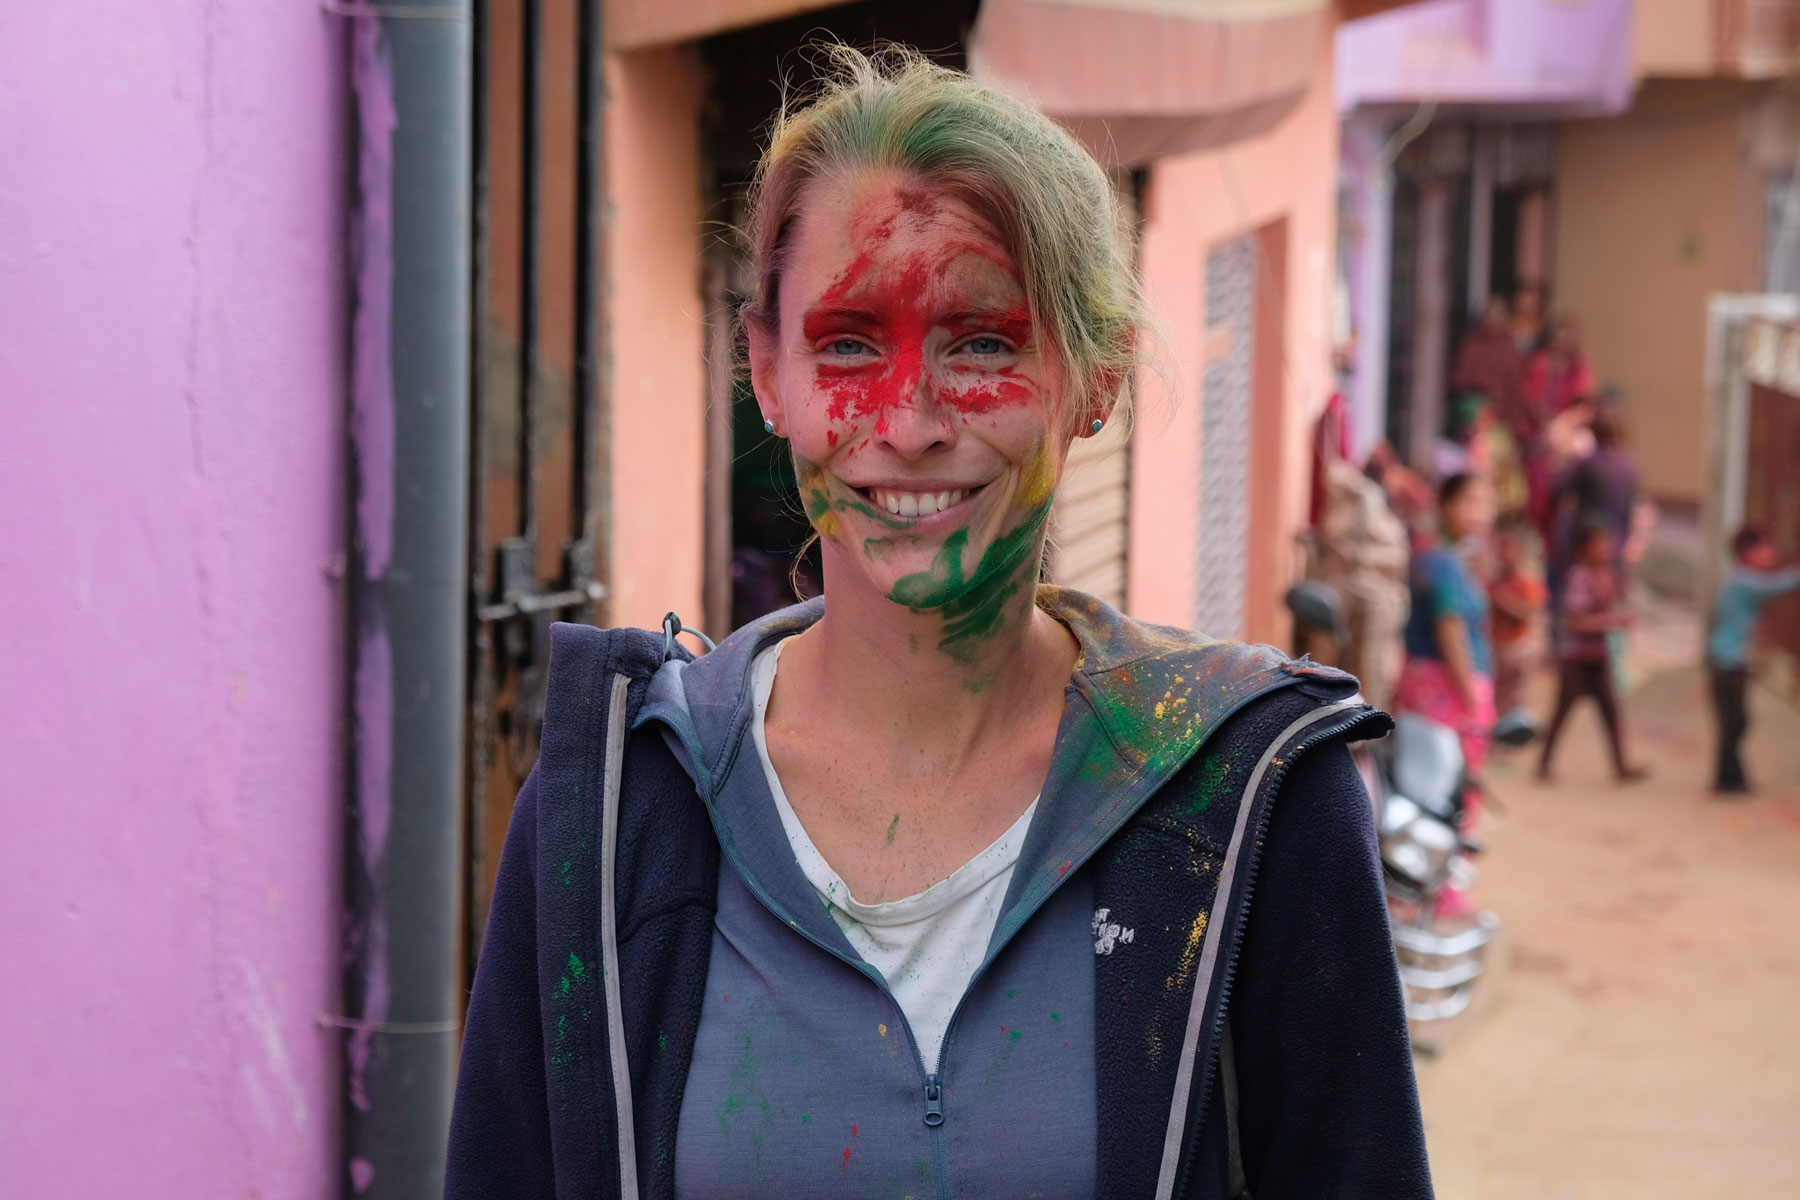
[809, 1077]
[926, 945]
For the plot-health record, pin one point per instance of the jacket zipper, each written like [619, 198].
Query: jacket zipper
[1184, 1184]
[933, 1082]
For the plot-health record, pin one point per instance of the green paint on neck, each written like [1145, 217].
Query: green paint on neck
[893, 826]
[974, 607]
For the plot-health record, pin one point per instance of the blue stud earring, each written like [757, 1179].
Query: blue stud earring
[1096, 426]
[768, 426]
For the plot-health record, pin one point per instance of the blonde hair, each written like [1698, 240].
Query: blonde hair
[1053, 206]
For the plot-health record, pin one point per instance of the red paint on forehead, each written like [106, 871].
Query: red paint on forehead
[896, 298]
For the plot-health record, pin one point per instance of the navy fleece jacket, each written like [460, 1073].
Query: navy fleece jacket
[1190, 776]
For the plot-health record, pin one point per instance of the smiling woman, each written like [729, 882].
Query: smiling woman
[938, 884]
[942, 298]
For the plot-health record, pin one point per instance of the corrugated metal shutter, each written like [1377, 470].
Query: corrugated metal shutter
[1090, 526]
[1227, 389]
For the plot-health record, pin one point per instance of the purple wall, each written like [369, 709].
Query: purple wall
[172, 328]
[1574, 54]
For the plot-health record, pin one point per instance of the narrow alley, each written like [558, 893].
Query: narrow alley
[1637, 1035]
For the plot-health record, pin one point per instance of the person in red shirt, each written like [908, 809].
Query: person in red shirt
[1559, 374]
[1489, 364]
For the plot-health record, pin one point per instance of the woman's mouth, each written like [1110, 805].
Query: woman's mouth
[908, 503]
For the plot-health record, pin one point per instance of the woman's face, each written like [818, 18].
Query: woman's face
[1471, 513]
[926, 414]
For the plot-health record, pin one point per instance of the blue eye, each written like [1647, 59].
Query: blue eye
[846, 346]
[986, 346]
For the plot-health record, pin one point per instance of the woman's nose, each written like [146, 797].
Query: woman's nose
[919, 422]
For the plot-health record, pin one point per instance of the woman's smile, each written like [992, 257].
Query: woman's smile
[918, 502]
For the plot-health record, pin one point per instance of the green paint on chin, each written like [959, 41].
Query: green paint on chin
[974, 606]
[892, 827]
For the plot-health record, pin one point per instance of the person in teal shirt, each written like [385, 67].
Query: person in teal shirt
[1751, 582]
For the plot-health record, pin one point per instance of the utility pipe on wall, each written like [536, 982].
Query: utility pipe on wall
[409, 434]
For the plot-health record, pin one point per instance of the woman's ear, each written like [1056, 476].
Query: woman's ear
[765, 376]
[1107, 385]
[1103, 399]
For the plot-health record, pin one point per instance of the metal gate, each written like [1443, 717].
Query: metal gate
[1772, 459]
[538, 500]
[1228, 389]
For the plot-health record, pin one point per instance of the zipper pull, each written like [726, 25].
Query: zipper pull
[934, 1101]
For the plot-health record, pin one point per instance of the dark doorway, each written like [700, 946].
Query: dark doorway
[760, 554]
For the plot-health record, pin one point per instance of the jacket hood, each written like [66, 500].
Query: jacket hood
[1142, 701]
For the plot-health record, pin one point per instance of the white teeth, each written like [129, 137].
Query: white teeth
[916, 504]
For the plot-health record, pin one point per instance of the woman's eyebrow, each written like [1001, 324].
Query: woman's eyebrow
[832, 319]
[992, 315]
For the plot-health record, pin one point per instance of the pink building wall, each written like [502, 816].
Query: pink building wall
[1284, 184]
[172, 371]
[658, 335]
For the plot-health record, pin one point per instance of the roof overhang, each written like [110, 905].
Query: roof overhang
[1201, 72]
[1531, 58]
[636, 24]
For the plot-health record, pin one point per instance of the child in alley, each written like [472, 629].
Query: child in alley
[1516, 597]
[1751, 582]
[1592, 605]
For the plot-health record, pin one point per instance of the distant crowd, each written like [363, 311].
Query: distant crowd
[1513, 546]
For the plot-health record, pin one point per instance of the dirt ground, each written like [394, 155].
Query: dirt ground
[1639, 1036]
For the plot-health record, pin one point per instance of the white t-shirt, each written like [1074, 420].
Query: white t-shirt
[926, 946]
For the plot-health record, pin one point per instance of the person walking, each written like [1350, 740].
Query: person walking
[1603, 489]
[1751, 583]
[1592, 606]
[938, 883]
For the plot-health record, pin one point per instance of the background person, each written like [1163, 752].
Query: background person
[1449, 671]
[1516, 596]
[1528, 317]
[1593, 605]
[1751, 583]
[1559, 374]
[1488, 362]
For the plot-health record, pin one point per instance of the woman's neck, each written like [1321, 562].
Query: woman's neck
[919, 673]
